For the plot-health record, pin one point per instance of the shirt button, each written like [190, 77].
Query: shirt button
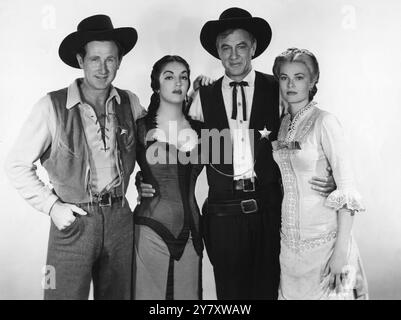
[239, 103]
[240, 121]
[242, 139]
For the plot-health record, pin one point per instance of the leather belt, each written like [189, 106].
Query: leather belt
[105, 199]
[234, 208]
[246, 185]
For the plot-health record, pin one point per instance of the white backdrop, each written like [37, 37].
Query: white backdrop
[357, 43]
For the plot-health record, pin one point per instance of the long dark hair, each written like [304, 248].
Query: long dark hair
[155, 85]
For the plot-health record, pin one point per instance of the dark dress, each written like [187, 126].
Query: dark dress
[168, 241]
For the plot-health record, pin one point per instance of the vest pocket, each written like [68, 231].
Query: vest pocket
[127, 140]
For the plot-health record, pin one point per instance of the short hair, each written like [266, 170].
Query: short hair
[82, 51]
[227, 32]
[299, 55]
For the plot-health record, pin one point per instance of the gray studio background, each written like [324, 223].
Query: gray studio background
[357, 43]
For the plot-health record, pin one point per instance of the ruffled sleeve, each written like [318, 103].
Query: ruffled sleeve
[335, 148]
[350, 200]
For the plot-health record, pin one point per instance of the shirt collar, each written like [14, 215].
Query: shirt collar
[74, 95]
[250, 78]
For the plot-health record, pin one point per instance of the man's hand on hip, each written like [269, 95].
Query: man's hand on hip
[145, 190]
[324, 185]
[64, 214]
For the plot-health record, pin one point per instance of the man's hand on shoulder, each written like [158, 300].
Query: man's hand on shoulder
[64, 214]
[202, 81]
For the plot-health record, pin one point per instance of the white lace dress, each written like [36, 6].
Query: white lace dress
[305, 147]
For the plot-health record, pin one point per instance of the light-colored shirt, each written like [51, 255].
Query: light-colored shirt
[243, 161]
[307, 217]
[37, 135]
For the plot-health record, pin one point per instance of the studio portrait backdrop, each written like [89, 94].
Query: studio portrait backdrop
[357, 44]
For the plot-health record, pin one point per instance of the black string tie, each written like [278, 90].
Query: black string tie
[241, 84]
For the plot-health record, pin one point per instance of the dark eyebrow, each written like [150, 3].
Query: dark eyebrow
[300, 73]
[168, 71]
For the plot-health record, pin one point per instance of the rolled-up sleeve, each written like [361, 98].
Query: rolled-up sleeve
[34, 139]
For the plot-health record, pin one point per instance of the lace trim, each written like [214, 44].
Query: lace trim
[350, 200]
[290, 214]
[289, 129]
[293, 125]
[302, 245]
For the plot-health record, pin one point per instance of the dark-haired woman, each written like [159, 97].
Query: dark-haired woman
[319, 258]
[168, 243]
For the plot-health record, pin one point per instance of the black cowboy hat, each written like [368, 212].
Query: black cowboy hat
[95, 28]
[236, 18]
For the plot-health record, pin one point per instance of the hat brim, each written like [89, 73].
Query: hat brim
[258, 27]
[126, 37]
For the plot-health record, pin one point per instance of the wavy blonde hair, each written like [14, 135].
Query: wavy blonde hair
[299, 55]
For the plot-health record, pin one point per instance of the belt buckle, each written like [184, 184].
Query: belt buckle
[105, 200]
[249, 206]
[248, 185]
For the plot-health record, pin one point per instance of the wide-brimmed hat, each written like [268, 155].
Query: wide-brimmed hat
[236, 18]
[95, 28]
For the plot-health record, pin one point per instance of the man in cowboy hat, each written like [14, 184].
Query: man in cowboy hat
[243, 209]
[84, 136]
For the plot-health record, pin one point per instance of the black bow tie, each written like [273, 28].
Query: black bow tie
[242, 84]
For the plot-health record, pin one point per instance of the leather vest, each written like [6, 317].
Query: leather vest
[67, 158]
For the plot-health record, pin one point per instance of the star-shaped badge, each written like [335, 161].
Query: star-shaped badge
[264, 134]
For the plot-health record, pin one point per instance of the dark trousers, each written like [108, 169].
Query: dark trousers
[98, 247]
[244, 251]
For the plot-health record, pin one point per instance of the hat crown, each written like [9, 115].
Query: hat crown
[235, 13]
[96, 23]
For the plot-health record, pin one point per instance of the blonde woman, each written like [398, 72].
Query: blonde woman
[319, 258]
